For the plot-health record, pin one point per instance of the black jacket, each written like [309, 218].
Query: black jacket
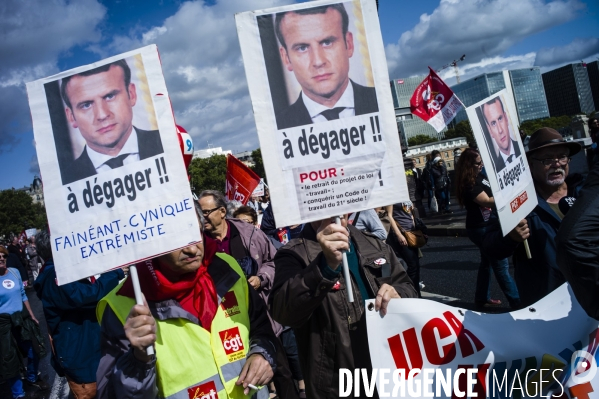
[578, 245]
[15, 328]
[330, 331]
[149, 145]
[297, 114]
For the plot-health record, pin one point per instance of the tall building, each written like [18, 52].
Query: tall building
[593, 71]
[408, 124]
[525, 85]
[568, 90]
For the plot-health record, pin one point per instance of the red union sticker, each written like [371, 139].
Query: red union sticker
[203, 391]
[229, 304]
[518, 201]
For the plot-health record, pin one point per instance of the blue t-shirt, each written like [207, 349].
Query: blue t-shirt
[12, 292]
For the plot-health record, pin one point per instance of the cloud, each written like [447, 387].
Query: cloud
[33, 35]
[486, 65]
[204, 73]
[479, 29]
[575, 51]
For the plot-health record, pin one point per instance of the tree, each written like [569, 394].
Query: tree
[18, 213]
[258, 163]
[421, 139]
[462, 129]
[208, 173]
[555, 122]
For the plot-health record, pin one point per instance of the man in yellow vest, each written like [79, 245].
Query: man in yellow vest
[211, 333]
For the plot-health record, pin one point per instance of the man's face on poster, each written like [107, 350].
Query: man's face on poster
[317, 52]
[102, 109]
[498, 125]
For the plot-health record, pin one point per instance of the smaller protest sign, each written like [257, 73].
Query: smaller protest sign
[329, 139]
[241, 180]
[115, 185]
[434, 102]
[259, 191]
[30, 232]
[428, 349]
[494, 123]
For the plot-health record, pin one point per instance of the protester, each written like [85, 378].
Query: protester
[594, 133]
[14, 261]
[548, 157]
[254, 203]
[441, 181]
[428, 180]
[208, 327]
[255, 254]
[70, 312]
[402, 220]
[34, 260]
[232, 206]
[309, 295]
[19, 333]
[369, 222]
[278, 236]
[474, 193]
[247, 214]
[420, 187]
[578, 245]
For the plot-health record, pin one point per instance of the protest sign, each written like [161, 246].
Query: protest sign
[551, 345]
[30, 232]
[241, 180]
[115, 186]
[319, 85]
[494, 122]
[434, 102]
[259, 191]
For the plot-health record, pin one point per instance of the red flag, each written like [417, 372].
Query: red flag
[241, 180]
[434, 102]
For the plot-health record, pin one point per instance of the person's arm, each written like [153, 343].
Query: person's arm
[496, 246]
[268, 223]
[76, 295]
[266, 272]
[120, 373]
[394, 227]
[370, 222]
[483, 199]
[28, 307]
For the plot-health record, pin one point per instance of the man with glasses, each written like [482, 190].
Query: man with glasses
[255, 254]
[549, 157]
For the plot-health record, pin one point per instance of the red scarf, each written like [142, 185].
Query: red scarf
[194, 291]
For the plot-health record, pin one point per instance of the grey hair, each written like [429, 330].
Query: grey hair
[219, 198]
[232, 206]
[200, 215]
[43, 245]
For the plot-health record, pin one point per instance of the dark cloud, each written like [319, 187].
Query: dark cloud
[578, 49]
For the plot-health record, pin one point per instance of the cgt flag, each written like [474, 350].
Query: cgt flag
[434, 102]
[241, 180]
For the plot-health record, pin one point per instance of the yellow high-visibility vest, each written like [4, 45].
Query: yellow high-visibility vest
[192, 362]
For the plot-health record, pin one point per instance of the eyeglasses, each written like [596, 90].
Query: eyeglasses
[563, 160]
[2, 256]
[207, 212]
[478, 163]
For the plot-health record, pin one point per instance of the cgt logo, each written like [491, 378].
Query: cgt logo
[231, 340]
[433, 99]
[203, 391]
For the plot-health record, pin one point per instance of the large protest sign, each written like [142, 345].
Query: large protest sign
[551, 345]
[240, 180]
[320, 90]
[494, 122]
[115, 185]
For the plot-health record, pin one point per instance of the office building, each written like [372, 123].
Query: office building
[525, 85]
[568, 90]
[593, 71]
[408, 124]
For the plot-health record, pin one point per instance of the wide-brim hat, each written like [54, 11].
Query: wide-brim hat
[548, 137]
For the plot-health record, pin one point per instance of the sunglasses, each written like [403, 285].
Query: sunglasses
[2, 256]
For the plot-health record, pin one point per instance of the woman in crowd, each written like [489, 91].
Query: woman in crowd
[247, 214]
[474, 193]
[19, 332]
[210, 330]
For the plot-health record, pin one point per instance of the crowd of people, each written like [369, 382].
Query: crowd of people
[256, 309]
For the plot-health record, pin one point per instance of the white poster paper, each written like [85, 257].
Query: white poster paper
[319, 85]
[115, 185]
[494, 122]
[259, 191]
[554, 335]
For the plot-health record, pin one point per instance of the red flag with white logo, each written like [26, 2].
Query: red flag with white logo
[434, 102]
[241, 180]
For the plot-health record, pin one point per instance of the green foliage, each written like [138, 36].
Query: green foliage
[556, 122]
[462, 129]
[18, 213]
[208, 173]
[421, 139]
[259, 164]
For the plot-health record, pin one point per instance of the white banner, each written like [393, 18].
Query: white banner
[494, 122]
[320, 90]
[259, 191]
[115, 185]
[484, 355]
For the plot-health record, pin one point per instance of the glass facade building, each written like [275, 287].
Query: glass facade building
[568, 90]
[593, 71]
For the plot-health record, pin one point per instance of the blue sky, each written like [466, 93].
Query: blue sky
[202, 62]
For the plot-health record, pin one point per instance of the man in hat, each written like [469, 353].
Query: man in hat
[548, 156]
